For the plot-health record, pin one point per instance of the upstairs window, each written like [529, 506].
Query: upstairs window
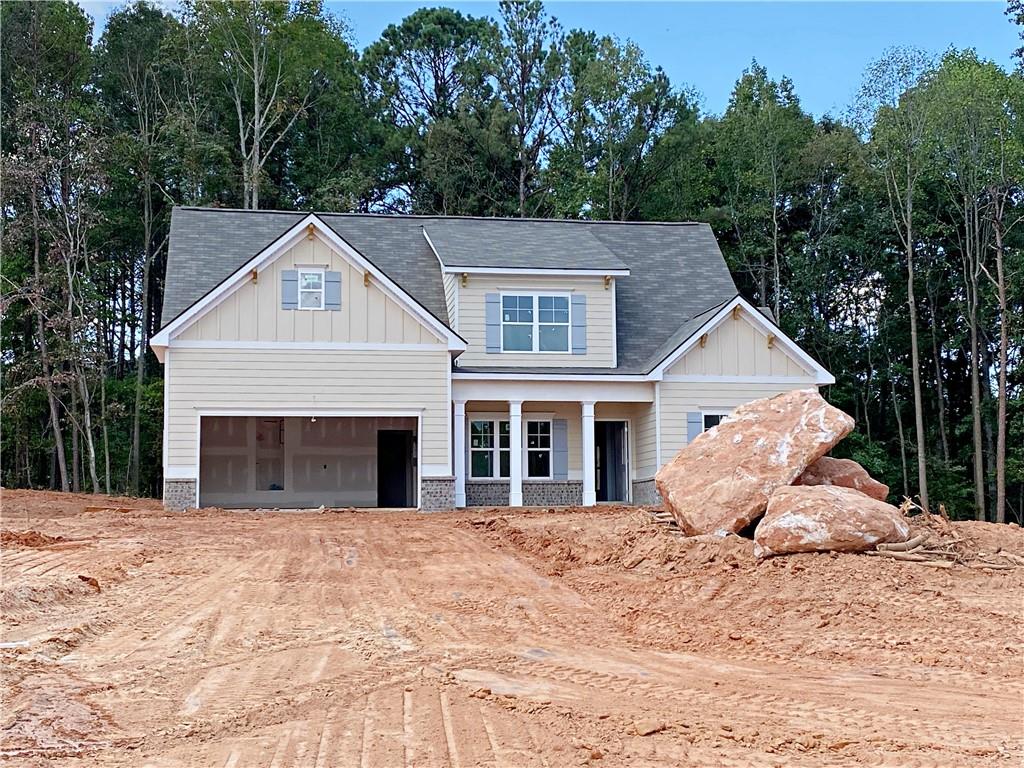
[534, 323]
[311, 289]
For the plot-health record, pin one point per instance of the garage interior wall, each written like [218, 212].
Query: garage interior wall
[294, 462]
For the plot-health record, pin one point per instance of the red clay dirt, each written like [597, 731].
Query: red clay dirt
[491, 637]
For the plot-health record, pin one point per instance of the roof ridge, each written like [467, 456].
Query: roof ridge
[429, 216]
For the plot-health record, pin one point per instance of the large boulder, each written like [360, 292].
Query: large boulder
[846, 473]
[826, 518]
[721, 482]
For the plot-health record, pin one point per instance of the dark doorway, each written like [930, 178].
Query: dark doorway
[394, 468]
[610, 460]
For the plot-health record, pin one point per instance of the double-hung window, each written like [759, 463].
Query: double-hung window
[538, 449]
[534, 323]
[311, 288]
[489, 449]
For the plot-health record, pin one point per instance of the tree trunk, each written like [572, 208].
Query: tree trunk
[979, 466]
[140, 363]
[903, 440]
[106, 432]
[1000, 511]
[922, 462]
[76, 481]
[44, 356]
[940, 394]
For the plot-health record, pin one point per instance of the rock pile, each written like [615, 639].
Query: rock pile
[768, 456]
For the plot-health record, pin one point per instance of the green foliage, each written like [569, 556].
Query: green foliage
[269, 104]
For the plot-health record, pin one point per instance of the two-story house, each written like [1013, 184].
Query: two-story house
[437, 362]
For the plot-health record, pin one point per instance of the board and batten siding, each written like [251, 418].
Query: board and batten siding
[472, 320]
[282, 380]
[254, 313]
[737, 348]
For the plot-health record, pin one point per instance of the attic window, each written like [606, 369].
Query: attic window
[311, 289]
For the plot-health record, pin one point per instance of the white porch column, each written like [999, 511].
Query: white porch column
[515, 438]
[459, 443]
[589, 473]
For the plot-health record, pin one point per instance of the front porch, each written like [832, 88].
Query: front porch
[545, 450]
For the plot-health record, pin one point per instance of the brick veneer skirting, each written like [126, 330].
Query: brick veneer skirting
[437, 493]
[487, 493]
[536, 493]
[644, 493]
[179, 494]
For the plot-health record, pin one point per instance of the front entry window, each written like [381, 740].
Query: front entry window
[538, 449]
[489, 449]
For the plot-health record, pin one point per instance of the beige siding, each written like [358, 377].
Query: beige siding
[645, 439]
[253, 312]
[680, 398]
[737, 348]
[240, 379]
[599, 320]
[451, 298]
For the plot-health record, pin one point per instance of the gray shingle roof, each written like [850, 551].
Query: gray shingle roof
[518, 244]
[677, 272]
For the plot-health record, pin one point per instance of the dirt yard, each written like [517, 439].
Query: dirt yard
[499, 638]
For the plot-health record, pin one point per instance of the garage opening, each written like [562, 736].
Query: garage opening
[303, 462]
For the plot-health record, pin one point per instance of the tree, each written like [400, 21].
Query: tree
[528, 70]
[271, 57]
[891, 98]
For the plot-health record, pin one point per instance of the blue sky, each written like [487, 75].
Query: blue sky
[823, 47]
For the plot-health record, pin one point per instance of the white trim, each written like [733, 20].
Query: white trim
[181, 472]
[555, 391]
[284, 411]
[536, 324]
[167, 415]
[448, 420]
[723, 412]
[272, 252]
[534, 271]
[808, 381]
[815, 369]
[298, 345]
[434, 471]
[657, 425]
[595, 377]
[587, 446]
[418, 437]
[615, 326]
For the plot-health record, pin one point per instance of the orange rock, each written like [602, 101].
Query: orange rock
[820, 518]
[721, 482]
[846, 473]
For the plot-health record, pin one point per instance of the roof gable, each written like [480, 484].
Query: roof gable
[307, 227]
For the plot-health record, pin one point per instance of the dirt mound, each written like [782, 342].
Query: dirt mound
[628, 541]
[27, 539]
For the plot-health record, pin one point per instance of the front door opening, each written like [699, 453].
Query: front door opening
[610, 460]
[394, 468]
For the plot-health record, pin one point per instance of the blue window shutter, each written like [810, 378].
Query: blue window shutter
[559, 449]
[694, 425]
[492, 305]
[332, 290]
[579, 324]
[290, 289]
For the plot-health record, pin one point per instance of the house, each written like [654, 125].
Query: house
[436, 362]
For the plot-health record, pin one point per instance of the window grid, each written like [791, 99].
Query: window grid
[488, 455]
[311, 289]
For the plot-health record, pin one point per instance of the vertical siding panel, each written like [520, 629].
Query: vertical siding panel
[376, 316]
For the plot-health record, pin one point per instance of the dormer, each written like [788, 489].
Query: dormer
[537, 294]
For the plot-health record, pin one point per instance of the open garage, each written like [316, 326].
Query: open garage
[304, 462]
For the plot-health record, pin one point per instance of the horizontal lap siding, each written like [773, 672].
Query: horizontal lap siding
[265, 380]
[472, 320]
[679, 398]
